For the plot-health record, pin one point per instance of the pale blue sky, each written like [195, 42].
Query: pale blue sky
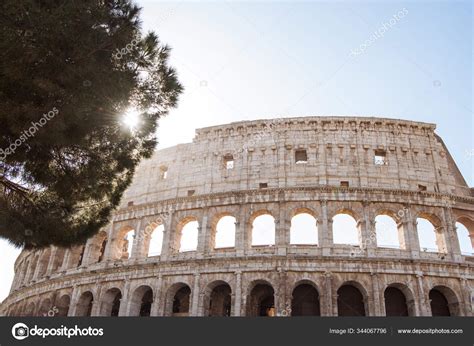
[247, 60]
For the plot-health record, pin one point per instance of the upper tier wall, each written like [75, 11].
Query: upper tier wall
[338, 149]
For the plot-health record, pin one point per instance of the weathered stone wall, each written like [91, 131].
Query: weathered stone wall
[192, 182]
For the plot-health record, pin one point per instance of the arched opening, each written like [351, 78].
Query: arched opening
[58, 259]
[97, 248]
[111, 303]
[464, 238]
[46, 309]
[443, 302]
[156, 241]
[305, 301]
[30, 310]
[387, 233]
[43, 263]
[84, 304]
[217, 299]
[304, 229]
[261, 301]
[350, 301]
[127, 245]
[263, 230]
[344, 230]
[225, 232]
[189, 231]
[63, 305]
[395, 302]
[427, 235]
[181, 301]
[142, 299]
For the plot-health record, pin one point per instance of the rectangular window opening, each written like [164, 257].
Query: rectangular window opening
[263, 185]
[421, 187]
[229, 162]
[344, 184]
[301, 156]
[191, 192]
[380, 158]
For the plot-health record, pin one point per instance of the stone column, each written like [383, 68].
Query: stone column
[424, 302]
[327, 306]
[196, 296]
[450, 236]
[241, 238]
[325, 239]
[411, 233]
[202, 246]
[137, 241]
[377, 295]
[52, 257]
[125, 300]
[466, 305]
[368, 234]
[282, 230]
[157, 297]
[108, 253]
[73, 302]
[166, 249]
[238, 294]
[97, 300]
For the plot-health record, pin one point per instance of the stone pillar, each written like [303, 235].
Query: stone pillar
[38, 265]
[450, 236]
[241, 237]
[157, 297]
[196, 296]
[325, 239]
[137, 241]
[204, 231]
[166, 249]
[411, 233]
[282, 230]
[97, 300]
[110, 243]
[367, 230]
[52, 258]
[280, 294]
[67, 258]
[466, 304]
[327, 306]
[238, 294]
[125, 300]
[424, 302]
[377, 295]
[73, 302]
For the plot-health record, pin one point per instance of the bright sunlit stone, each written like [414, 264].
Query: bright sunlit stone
[131, 119]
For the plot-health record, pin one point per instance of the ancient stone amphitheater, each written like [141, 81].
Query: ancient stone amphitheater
[208, 229]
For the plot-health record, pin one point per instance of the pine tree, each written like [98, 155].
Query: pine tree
[68, 71]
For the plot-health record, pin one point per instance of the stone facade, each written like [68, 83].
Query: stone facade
[321, 166]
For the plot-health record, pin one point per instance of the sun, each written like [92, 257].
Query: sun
[131, 119]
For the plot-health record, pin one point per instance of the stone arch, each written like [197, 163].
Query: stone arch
[262, 228]
[63, 304]
[97, 247]
[465, 234]
[84, 304]
[304, 227]
[141, 301]
[110, 302]
[187, 233]
[46, 308]
[305, 299]
[444, 301]
[178, 300]
[261, 299]
[389, 230]
[399, 300]
[346, 227]
[352, 299]
[154, 241]
[430, 226]
[30, 309]
[57, 260]
[217, 299]
[223, 231]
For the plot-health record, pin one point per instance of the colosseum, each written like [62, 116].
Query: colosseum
[208, 228]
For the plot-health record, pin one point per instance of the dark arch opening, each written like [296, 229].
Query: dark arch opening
[350, 301]
[147, 300]
[395, 302]
[220, 301]
[439, 303]
[305, 301]
[181, 301]
[262, 301]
